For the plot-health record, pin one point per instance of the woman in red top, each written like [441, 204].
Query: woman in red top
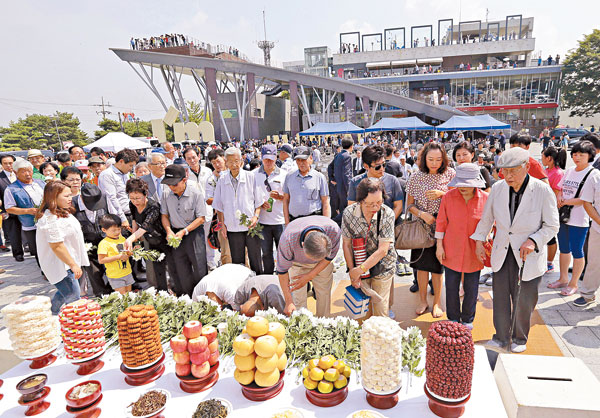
[460, 212]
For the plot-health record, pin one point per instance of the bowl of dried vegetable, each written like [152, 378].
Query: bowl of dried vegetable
[150, 404]
[213, 408]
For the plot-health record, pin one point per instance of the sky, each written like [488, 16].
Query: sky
[55, 54]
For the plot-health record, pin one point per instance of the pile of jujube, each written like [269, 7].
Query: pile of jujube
[449, 360]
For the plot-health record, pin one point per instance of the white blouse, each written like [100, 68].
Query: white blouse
[52, 229]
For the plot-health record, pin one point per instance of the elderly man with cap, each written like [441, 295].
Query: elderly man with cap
[156, 164]
[259, 293]
[524, 210]
[36, 158]
[305, 253]
[183, 212]
[285, 156]
[22, 198]
[305, 190]
[97, 166]
[269, 180]
[236, 193]
[90, 205]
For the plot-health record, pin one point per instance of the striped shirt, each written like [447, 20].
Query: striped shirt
[290, 249]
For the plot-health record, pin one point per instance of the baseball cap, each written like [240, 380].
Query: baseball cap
[174, 173]
[269, 151]
[95, 160]
[287, 148]
[34, 153]
[301, 153]
[81, 164]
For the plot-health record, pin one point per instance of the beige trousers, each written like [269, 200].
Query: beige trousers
[591, 280]
[322, 285]
[225, 251]
[381, 286]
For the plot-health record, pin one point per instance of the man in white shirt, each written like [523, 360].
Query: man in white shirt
[316, 154]
[199, 175]
[112, 183]
[285, 156]
[217, 160]
[22, 198]
[269, 180]
[236, 194]
[156, 165]
[169, 152]
[221, 284]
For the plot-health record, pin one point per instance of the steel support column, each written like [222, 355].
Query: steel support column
[294, 114]
[365, 110]
[350, 100]
[211, 87]
[250, 81]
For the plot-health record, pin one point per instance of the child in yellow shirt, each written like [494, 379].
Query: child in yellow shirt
[112, 255]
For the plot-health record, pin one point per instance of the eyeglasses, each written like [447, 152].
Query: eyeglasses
[510, 172]
[378, 166]
[373, 204]
[161, 163]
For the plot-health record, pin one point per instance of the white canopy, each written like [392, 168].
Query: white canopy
[116, 141]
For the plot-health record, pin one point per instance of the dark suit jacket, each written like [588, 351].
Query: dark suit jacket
[342, 170]
[393, 168]
[4, 182]
[356, 171]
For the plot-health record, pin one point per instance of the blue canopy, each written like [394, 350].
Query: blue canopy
[472, 123]
[324, 128]
[412, 123]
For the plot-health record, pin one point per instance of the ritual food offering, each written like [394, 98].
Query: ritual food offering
[212, 408]
[381, 355]
[449, 361]
[260, 354]
[82, 329]
[139, 336]
[196, 350]
[84, 390]
[287, 413]
[326, 374]
[149, 403]
[32, 329]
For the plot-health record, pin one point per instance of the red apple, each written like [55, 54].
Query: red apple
[178, 343]
[181, 358]
[192, 329]
[199, 358]
[197, 345]
[210, 333]
[200, 370]
[214, 346]
[214, 357]
[183, 369]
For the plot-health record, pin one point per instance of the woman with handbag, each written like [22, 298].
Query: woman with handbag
[425, 189]
[574, 220]
[555, 161]
[460, 212]
[369, 224]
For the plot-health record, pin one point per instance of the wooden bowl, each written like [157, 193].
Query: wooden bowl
[191, 384]
[86, 401]
[90, 411]
[382, 401]
[253, 392]
[326, 400]
[33, 389]
[446, 409]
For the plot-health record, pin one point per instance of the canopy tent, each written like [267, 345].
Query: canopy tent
[116, 141]
[412, 123]
[324, 128]
[472, 123]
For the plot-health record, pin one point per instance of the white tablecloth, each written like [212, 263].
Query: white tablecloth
[485, 398]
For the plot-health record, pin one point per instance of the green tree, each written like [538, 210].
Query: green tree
[581, 77]
[39, 131]
[195, 111]
[285, 94]
[141, 128]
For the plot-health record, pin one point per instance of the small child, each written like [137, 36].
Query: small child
[111, 254]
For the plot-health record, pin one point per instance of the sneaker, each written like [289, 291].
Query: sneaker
[468, 325]
[391, 314]
[414, 288]
[400, 271]
[484, 277]
[4, 248]
[489, 281]
[495, 345]
[19, 258]
[583, 302]
[550, 268]
[407, 270]
[517, 348]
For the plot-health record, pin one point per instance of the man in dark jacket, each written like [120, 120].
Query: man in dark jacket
[342, 169]
[90, 205]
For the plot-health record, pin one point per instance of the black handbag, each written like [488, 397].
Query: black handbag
[564, 212]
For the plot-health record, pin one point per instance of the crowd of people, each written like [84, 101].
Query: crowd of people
[161, 41]
[479, 205]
